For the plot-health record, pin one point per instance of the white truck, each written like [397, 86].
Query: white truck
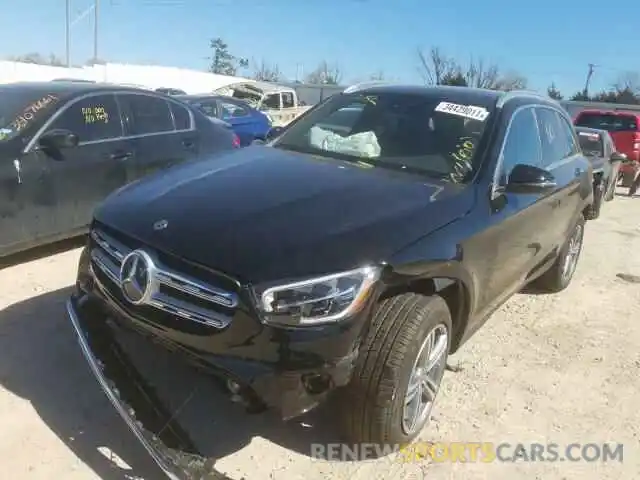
[280, 103]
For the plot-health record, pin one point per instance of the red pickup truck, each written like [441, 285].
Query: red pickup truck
[624, 128]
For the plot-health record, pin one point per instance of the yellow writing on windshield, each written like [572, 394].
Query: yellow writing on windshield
[95, 114]
[464, 149]
[32, 110]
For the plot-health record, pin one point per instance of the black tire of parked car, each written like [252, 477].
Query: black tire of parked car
[373, 402]
[593, 211]
[556, 279]
[626, 179]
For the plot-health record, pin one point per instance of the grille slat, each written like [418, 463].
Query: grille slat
[177, 294]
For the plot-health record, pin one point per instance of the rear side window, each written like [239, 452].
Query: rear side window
[148, 114]
[92, 118]
[232, 110]
[208, 107]
[610, 122]
[591, 143]
[180, 116]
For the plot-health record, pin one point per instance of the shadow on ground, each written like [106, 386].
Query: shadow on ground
[41, 252]
[41, 362]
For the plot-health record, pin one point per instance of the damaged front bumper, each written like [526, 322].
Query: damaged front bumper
[96, 323]
[170, 447]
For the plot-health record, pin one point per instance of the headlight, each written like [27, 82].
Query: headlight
[318, 300]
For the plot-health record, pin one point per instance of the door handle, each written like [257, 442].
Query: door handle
[188, 144]
[120, 155]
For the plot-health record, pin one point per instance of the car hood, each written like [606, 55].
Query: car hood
[263, 214]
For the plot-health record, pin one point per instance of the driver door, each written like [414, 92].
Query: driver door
[519, 222]
[81, 177]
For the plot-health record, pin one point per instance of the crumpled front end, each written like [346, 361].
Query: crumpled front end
[137, 403]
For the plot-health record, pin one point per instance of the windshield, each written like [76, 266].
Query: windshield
[591, 143]
[19, 110]
[608, 121]
[412, 132]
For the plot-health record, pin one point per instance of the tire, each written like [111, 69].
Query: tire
[558, 277]
[627, 179]
[593, 211]
[610, 192]
[375, 399]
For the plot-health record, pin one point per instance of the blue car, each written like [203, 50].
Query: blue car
[248, 123]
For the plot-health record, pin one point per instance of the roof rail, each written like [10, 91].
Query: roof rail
[519, 93]
[356, 87]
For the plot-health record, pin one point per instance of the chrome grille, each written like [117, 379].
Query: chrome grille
[178, 294]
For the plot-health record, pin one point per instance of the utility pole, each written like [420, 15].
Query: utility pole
[589, 75]
[67, 30]
[96, 8]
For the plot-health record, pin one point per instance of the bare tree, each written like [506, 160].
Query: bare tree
[628, 81]
[266, 72]
[479, 74]
[325, 74]
[435, 66]
[511, 81]
[439, 69]
[38, 59]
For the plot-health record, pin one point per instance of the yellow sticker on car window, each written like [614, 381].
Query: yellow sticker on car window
[95, 114]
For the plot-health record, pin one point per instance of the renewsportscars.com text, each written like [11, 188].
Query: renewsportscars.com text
[474, 452]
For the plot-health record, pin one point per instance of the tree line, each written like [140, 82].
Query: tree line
[625, 90]
[434, 66]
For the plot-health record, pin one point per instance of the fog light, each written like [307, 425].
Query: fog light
[316, 383]
[234, 387]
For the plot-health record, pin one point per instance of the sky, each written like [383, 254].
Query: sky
[546, 40]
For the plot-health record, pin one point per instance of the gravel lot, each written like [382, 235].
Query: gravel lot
[559, 368]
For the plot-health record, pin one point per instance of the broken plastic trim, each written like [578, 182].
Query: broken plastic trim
[137, 403]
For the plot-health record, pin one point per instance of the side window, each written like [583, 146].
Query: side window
[287, 100]
[557, 137]
[272, 101]
[209, 108]
[148, 114]
[233, 110]
[180, 116]
[522, 144]
[567, 128]
[92, 118]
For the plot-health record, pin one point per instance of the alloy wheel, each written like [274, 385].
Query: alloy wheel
[424, 381]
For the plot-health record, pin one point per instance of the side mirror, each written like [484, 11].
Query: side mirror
[58, 139]
[274, 132]
[529, 179]
[618, 157]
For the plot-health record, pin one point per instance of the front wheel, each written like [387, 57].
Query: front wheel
[559, 276]
[399, 370]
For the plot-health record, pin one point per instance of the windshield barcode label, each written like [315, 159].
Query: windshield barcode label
[467, 111]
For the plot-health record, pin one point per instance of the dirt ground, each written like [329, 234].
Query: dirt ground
[559, 368]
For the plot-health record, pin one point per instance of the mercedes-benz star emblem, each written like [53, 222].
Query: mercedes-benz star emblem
[136, 277]
[160, 225]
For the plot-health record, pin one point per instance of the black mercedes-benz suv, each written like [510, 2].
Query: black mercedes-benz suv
[350, 255]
